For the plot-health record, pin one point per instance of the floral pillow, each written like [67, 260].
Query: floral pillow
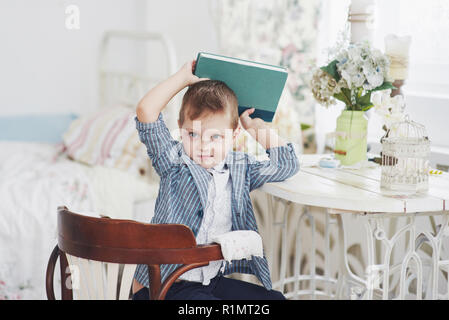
[108, 138]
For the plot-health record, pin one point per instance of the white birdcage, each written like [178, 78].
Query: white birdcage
[405, 158]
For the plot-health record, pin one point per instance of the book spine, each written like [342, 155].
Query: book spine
[197, 61]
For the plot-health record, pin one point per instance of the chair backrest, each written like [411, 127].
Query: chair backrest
[98, 256]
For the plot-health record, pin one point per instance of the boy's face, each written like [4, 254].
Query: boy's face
[208, 139]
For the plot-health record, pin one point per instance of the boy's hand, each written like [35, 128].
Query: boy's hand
[187, 73]
[158, 97]
[249, 123]
[260, 130]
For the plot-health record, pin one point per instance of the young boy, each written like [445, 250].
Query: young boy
[205, 185]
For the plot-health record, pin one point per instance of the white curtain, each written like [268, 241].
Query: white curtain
[333, 27]
[279, 32]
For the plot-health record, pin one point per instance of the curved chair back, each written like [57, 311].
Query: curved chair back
[98, 256]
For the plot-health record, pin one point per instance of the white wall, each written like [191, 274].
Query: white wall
[188, 23]
[190, 26]
[47, 68]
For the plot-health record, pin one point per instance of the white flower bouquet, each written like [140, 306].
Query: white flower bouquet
[351, 77]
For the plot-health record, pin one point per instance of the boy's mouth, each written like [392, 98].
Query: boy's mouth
[204, 156]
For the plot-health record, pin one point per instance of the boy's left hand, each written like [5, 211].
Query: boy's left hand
[260, 130]
[250, 123]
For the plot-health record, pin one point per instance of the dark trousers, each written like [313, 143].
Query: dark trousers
[219, 288]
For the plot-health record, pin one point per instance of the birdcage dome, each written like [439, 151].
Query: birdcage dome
[405, 157]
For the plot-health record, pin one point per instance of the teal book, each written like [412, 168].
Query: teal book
[256, 85]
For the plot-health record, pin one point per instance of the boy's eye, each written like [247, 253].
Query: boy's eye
[193, 134]
[216, 136]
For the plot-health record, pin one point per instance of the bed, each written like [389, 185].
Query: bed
[76, 161]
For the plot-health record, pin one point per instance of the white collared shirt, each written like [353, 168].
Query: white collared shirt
[217, 220]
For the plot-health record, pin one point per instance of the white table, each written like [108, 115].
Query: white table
[404, 239]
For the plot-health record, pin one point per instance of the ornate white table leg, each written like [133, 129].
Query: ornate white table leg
[297, 263]
[327, 253]
[411, 265]
[312, 278]
[284, 254]
[376, 233]
[345, 275]
[278, 222]
[436, 242]
[273, 204]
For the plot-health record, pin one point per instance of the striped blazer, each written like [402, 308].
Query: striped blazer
[183, 190]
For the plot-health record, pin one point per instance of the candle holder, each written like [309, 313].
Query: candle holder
[398, 85]
[361, 16]
[397, 49]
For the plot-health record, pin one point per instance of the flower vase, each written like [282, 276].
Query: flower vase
[351, 140]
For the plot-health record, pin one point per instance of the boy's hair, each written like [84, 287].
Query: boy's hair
[209, 96]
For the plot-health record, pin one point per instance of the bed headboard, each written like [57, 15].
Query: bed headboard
[127, 87]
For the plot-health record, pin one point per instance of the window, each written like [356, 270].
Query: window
[428, 24]
[427, 88]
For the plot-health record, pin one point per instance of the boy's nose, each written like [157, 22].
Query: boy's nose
[205, 147]
[205, 150]
[205, 142]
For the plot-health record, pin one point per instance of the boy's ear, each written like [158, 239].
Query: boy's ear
[179, 123]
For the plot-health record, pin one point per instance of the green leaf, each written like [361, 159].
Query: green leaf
[345, 96]
[385, 86]
[366, 108]
[305, 126]
[332, 70]
[363, 103]
[340, 96]
[364, 100]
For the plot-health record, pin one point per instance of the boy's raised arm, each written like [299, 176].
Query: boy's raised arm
[283, 162]
[149, 121]
[158, 97]
[260, 131]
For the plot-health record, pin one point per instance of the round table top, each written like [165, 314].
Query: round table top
[356, 189]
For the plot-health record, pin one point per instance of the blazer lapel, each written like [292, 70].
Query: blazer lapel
[200, 176]
[236, 164]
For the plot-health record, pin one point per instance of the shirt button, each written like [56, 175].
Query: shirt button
[200, 213]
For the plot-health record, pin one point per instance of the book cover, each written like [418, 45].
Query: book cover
[256, 85]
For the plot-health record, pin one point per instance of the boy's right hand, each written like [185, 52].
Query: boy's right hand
[158, 97]
[187, 72]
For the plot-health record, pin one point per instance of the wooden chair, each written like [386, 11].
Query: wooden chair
[98, 256]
